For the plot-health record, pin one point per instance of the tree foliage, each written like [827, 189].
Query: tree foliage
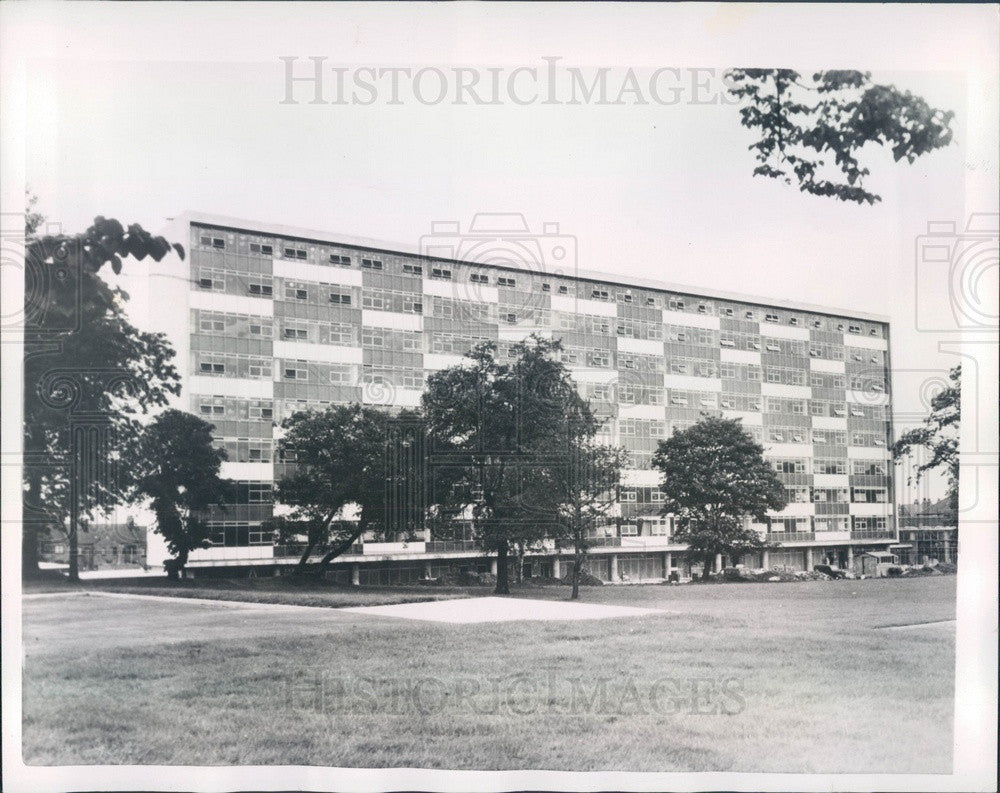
[938, 438]
[813, 129]
[88, 374]
[177, 469]
[715, 476]
[499, 430]
[338, 459]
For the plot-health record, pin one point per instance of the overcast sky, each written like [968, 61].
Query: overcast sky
[141, 113]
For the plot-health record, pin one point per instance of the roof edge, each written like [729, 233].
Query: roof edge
[384, 246]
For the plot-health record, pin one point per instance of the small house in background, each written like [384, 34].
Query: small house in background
[874, 564]
[100, 546]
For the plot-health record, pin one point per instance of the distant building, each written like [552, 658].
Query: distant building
[268, 320]
[931, 529]
[101, 546]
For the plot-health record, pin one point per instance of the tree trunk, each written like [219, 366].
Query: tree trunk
[339, 549]
[520, 563]
[503, 585]
[312, 539]
[577, 564]
[300, 568]
[74, 551]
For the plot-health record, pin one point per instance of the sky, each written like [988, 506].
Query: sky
[143, 112]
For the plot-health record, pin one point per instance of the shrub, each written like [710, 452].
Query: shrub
[894, 572]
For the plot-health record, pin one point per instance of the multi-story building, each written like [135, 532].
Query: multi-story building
[268, 320]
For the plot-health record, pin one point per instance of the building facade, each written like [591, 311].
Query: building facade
[268, 320]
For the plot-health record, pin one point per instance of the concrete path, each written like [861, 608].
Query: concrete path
[500, 609]
[938, 625]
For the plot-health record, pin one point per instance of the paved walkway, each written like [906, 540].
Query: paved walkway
[173, 599]
[500, 609]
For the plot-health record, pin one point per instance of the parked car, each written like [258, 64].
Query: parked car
[833, 572]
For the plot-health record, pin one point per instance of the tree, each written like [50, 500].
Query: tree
[805, 122]
[88, 374]
[591, 492]
[939, 436]
[32, 220]
[714, 476]
[496, 431]
[179, 472]
[339, 460]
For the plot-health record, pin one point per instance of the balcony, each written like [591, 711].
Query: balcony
[791, 536]
[451, 546]
[873, 534]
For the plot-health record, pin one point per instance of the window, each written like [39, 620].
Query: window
[873, 332]
[213, 407]
[340, 260]
[770, 317]
[340, 374]
[371, 264]
[505, 281]
[728, 312]
[296, 370]
[207, 367]
[215, 242]
[546, 287]
[817, 323]
[749, 315]
[340, 298]
[296, 253]
[259, 369]
[294, 291]
[479, 278]
[263, 250]
[793, 321]
[295, 330]
[211, 325]
[412, 269]
[563, 290]
[702, 308]
[510, 318]
[341, 333]
[629, 530]
[441, 273]
[260, 410]
[260, 288]
[599, 294]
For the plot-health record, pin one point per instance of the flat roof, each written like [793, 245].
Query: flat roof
[383, 246]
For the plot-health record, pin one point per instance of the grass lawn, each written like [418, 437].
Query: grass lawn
[284, 590]
[735, 677]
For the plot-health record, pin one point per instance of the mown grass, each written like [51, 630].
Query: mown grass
[818, 688]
